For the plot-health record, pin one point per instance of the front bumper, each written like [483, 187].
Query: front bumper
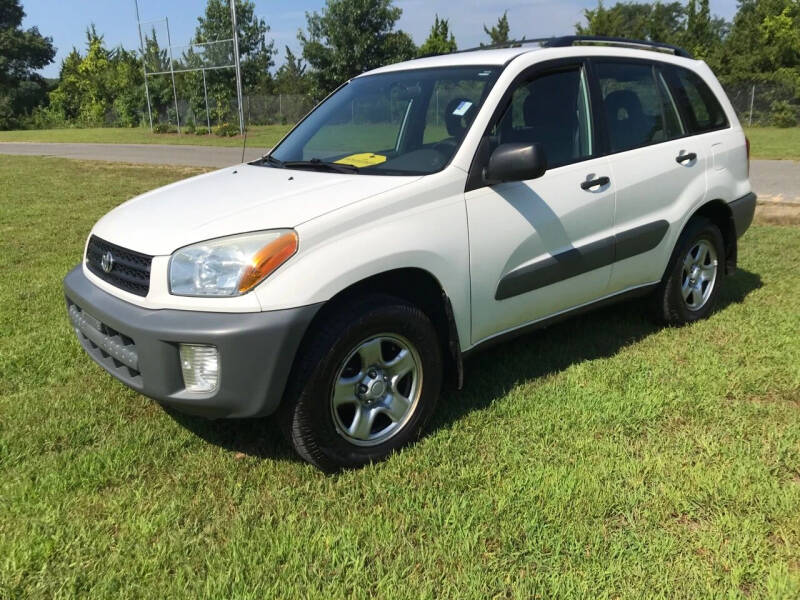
[139, 347]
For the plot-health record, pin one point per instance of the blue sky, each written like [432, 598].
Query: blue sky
[66, 20]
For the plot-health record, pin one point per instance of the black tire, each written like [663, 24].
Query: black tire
[668, 304]
[306, 412]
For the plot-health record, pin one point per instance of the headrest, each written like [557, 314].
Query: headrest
[623, 100]
[458, 114]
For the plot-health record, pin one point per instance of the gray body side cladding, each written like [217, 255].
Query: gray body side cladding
[257, 350]
[742, 210]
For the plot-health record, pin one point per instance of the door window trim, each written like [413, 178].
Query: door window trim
[481, 158]
[655, 68]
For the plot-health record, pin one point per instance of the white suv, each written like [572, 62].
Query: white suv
[422, 210]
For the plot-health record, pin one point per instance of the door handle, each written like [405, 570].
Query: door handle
[587, 185]
[682, 158]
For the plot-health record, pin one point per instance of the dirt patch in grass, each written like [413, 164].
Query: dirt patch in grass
[777, 213]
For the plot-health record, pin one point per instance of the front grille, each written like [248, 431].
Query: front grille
[130, 271]
[112, 349]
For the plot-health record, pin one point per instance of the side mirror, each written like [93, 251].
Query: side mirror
[516, 162]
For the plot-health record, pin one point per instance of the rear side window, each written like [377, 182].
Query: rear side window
[700, 106]
[638, 110]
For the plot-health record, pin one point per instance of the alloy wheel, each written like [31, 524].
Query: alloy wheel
[699, 274]
[376, 389]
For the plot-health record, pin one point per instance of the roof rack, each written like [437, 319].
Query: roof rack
[571, 40]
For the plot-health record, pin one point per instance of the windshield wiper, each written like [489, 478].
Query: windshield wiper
[316, 163]
[268, 159]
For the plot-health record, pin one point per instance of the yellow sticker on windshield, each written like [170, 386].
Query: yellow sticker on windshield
[365, 159]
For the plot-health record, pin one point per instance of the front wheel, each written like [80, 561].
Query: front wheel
[692, 283]
[365, 385]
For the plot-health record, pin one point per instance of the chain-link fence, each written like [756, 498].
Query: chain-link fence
[756, 104]
[280, 108]
[765, 103]
[221, 111]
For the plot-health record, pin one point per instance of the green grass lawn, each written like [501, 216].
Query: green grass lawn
[774, 142]
[767, 142]
[257, 135]
[604, 457]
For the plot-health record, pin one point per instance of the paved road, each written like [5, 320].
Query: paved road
[156, 154]
[773, 180]
[776, 180]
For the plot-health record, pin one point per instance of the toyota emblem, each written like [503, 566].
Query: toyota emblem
[107, 262]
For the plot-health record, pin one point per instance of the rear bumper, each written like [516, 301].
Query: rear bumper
[139, 347]
[743, 210]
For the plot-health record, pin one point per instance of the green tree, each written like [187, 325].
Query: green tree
[255, 51]
[636, 20]
[256, 54]
[291, 77]
[65, 99]
[440, 40]
[22, 51]
[103, 87]
[159, 87]
[699, 35]
[349, 37]
[498, 34]
[764, 41]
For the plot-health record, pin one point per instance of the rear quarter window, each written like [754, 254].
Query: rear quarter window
[699, 105]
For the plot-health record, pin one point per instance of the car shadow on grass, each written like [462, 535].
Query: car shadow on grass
[490, 374]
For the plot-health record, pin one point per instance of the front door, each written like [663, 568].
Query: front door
[542, 246]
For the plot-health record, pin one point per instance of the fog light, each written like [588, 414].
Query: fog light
[200, 366]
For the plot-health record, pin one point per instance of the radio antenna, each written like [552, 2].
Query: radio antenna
[244, 141]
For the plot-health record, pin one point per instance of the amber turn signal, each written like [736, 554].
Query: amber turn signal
[266, 260]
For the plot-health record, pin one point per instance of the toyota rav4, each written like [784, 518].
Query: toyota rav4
[419, 212]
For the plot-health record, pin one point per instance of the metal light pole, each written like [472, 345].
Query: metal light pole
[205, 93]
[144, 65]
[238, 67]
[172, 72]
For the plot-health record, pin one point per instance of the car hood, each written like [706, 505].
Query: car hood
[233, 200]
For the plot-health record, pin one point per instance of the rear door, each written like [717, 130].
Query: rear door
[541, 246]
[658, 168]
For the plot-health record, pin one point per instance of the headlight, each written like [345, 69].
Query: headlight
[229, 266]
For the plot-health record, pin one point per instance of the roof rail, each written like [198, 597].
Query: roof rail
[508, 44]
[570, 40]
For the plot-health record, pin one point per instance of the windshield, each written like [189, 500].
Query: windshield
[398, 123]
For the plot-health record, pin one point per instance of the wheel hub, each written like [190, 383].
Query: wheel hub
[373, 387]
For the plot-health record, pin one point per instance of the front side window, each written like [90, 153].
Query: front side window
[636, 109]
[552, 110]
[407, 122]
[700, 106]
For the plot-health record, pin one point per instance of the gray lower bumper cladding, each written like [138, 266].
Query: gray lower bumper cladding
[140, 347]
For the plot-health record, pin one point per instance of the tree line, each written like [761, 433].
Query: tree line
[99, 85]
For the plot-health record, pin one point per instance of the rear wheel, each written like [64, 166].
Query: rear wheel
[365, 385]
[693, 280]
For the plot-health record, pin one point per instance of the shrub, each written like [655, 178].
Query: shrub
[46, 117]
[783, 114]
[189, 128]
[226, 130]
[164, 128]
